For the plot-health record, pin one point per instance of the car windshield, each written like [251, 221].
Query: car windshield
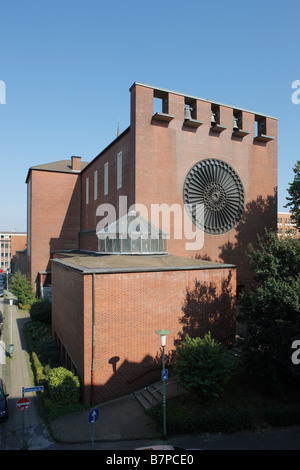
[1, 395]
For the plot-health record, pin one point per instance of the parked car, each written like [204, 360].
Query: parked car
[3, 401]
[1, 323]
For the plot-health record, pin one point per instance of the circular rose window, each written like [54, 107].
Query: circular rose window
[214, 186]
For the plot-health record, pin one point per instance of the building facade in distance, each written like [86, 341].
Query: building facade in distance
[285, 226]
[10, 243]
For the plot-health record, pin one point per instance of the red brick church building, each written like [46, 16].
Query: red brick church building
[110, 295]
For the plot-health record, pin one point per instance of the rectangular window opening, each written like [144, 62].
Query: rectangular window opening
[160, 102]
[190, 108]
[119, 170]
[87, 190]
[106, 179]
[215, 114]
[95, 185]
[260, 126]
[237, 119]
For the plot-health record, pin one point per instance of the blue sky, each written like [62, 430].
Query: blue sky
[68, 66]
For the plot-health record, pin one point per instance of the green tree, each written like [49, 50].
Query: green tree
[22, 288]
[203, 365]
[294, 196]
[271, 310]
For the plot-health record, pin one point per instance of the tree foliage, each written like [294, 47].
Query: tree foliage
[203, 365]
[271, 310]
[22, 288]
[294, 196]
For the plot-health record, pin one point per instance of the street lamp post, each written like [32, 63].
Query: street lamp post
[11, 346]
[163, 336]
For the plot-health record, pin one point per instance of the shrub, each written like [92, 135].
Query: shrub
[38, 369]
[63, 386]
[41, 311]
[225, 420]
[37, 332]
[283, 415]
[48, 353]
[203, 365]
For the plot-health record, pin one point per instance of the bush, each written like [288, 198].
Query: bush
[179, 421]
[37, 332]
[283, 415]
[41, 311]
[48, 353]
[203, 365]
[38, 369]
[63, 386]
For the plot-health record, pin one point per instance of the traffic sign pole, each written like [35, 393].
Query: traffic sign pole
[23, 424]
[24, 403]
[93, 416]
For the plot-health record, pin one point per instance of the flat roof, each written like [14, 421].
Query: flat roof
[165, 90]
[13, 233]
[95, 263]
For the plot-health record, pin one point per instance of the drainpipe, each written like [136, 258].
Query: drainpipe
[93, 341]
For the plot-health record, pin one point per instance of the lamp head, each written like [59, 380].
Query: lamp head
[163, 335]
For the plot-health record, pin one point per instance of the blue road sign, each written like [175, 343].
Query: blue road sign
[164, 374]
[39, 388]
[93, 416]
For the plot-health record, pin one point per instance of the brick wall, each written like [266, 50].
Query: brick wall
[17, 243]
[129, 309]
[55, 216]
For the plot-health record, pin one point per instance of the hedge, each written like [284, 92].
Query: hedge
[63, 386]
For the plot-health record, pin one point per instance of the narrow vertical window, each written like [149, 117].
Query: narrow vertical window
[106, 179]
[95, 185]
[119, 170]
[87, 190]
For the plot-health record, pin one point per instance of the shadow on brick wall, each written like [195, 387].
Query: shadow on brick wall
[210, 307]
[258, 215]
[125, 378]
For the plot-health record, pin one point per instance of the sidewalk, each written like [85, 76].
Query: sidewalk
[119, 419]
[16, 372]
